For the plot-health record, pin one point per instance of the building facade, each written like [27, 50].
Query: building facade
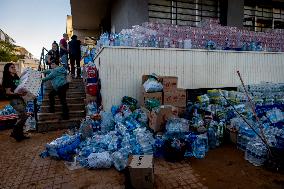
[91, 17]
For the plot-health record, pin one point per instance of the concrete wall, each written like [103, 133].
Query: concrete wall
[86, 33]
[69, 27]
[126, 13]
[235, 13]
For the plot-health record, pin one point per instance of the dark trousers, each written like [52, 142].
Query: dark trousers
[76, 60]
[61, 92]
[20, 106]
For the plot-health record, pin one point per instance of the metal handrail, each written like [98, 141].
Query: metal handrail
[42, 59]
[41, 66]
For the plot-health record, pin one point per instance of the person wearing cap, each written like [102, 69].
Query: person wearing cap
[58, 77]
[75, 55]
[64, 51]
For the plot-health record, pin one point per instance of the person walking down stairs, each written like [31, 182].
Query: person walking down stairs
[58, 77]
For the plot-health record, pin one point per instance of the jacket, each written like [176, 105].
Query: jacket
[58, 77]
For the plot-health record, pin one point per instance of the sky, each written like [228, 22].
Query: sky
[34, 24]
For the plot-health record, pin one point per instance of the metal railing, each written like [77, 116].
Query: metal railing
[42, 66]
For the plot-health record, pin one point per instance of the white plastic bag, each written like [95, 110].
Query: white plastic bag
[30, 124]
[99, 160]
[152, 85]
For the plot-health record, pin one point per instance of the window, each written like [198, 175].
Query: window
[182, 12]
[263, 17]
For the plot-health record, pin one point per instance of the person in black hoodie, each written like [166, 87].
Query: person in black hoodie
[10, 82]
[75, 55]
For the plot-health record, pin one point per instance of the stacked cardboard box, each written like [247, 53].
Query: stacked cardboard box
[153, 95]
[172, 95]
[172, 99]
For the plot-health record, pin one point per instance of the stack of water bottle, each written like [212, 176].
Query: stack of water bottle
[268, 98]
[7, 110]
[215, 134]
[257, 151]
[7, 115]
[209, 35]
[177, 130]
[177, 125]
[107, 141]
[63, 147]
[269, 93]
[200, 146]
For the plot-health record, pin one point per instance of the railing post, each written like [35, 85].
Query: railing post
[41, 61]
[35, 113]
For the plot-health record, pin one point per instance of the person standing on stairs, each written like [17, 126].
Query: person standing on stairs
[10, 82]
[58, 77]
[75, 55]
[64, 51]
[53, 55]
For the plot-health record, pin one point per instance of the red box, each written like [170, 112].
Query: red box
[92, 89]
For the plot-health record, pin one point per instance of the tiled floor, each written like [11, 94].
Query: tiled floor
[21, 167]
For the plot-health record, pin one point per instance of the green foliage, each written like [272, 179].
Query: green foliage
[8, 52]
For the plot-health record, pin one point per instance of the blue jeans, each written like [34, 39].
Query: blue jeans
[64, 61]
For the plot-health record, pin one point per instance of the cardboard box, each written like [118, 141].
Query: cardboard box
[156, 95]
[158, 120]
[169, 83]
[141, 171]
[176, 98]
[90, 98]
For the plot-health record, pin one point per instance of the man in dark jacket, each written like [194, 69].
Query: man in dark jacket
[75, 55]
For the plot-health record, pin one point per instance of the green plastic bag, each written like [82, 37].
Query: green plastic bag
[152, 103]
[130, 102]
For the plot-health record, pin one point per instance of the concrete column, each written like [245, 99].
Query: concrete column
[235, 13]
[126, 13]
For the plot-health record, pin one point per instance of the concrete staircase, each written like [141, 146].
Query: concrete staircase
[75, 100]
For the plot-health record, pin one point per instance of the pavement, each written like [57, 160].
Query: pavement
[21, 167]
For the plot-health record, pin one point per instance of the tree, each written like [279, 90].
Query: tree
[8, 52]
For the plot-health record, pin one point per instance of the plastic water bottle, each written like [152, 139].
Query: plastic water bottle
[200, 146]
[212, 139]
[119, 160]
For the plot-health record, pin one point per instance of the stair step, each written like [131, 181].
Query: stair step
[80, 100]
[71, 95]
[71, 89]
[57, 115]
[76, 79]
[72, 107]
[71, 86]
[52, 125]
